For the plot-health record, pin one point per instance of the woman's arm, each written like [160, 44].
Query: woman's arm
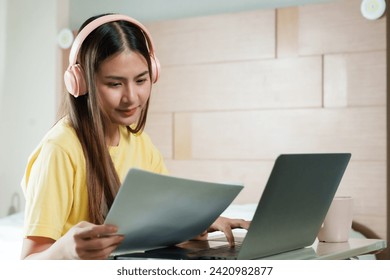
[83, 241]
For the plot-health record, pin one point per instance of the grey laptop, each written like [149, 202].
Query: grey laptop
[289, 214]
[154, 210]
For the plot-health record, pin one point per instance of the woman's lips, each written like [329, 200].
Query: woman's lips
[128, 112]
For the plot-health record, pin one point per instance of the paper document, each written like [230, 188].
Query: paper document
[154, 210]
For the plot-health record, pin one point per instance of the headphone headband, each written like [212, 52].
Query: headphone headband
[83, 34]
[74, 75]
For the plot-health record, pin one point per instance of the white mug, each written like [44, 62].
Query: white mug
[338, 220]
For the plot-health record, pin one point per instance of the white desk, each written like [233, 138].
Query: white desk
[318, 251]
[334, 251]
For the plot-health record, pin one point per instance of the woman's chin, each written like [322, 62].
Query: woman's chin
[125, 121]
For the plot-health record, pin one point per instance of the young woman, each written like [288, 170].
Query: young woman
[73, 176]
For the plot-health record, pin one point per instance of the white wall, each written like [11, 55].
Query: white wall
[28, 87]
[3, 20]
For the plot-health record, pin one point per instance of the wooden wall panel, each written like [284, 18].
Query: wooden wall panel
[253, 174]
[160, 129]
[237, 90]
[365, 181]
[357, 79]
[265, 134]
[182, 137]
[241, 85]
[220, 38]
[337, 27]
[287, 32]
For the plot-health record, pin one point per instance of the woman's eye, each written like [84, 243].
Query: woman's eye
[114, 84]
[141, 81]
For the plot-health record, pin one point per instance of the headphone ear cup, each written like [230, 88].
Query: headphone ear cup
[156, 68]
[75, 81]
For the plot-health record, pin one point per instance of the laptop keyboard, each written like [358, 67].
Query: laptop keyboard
[221, 252]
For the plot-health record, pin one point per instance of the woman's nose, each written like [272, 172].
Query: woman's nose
[128, 93]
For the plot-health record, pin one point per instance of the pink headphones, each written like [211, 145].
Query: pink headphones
[74, 76]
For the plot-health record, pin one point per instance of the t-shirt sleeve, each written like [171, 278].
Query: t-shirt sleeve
[48, 192]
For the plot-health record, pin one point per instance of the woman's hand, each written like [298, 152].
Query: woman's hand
[83, 241]
[226, 225]
[90, 241]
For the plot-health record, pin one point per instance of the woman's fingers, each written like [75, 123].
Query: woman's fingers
[226, 225]
[95, 241]
[85, 230]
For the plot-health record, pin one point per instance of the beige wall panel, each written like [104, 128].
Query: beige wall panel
[338, 26]
[357, 79]
[182, 137]
[365, 181]
[377, 224]
[227, 37]
[160, 129]
[280, 83]
[253, 174]
[287, 32]
[265, 134]
[225, 107]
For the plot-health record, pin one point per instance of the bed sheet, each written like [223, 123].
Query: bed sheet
[11, 236]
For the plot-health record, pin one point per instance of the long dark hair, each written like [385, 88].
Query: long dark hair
[87, 118]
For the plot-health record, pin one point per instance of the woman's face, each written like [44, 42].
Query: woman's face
[123, 87]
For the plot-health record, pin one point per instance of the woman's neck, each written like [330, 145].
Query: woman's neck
[112, 135]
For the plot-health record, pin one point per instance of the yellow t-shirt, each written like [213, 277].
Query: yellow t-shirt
[54, 183]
